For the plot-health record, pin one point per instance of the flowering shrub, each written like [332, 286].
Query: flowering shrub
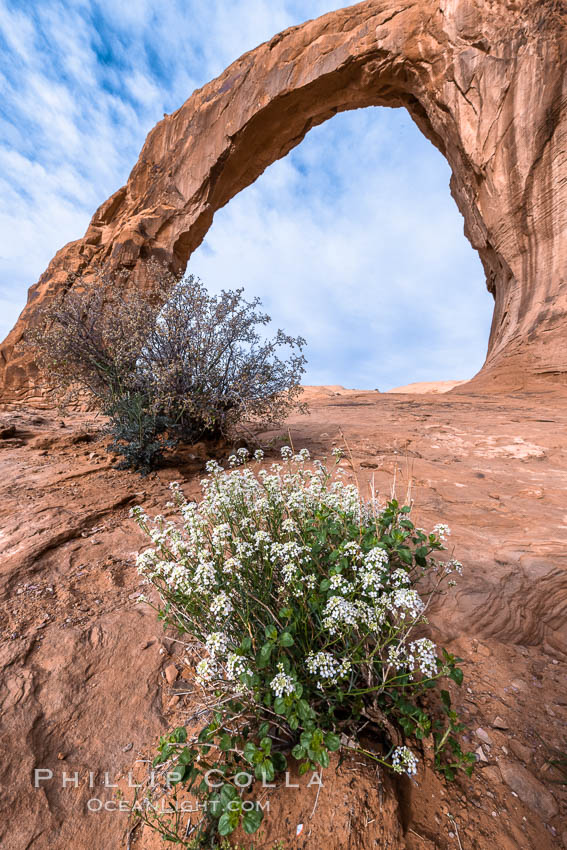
[309, 606]
[167, 362]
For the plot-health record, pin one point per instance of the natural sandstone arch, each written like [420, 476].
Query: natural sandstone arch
[483, 79]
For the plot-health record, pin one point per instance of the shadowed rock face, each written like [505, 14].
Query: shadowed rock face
[483, 80]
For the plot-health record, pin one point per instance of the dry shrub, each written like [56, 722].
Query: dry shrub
[170, 363]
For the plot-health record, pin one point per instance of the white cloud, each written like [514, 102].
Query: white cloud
[353, 240]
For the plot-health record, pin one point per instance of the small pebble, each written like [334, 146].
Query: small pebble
[171, 673]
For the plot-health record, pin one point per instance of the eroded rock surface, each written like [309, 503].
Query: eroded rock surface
[83, 667]
[483, 79]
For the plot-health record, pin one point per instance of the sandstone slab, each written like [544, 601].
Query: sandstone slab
[529, 790]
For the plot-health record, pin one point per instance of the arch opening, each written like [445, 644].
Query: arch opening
[353, 241]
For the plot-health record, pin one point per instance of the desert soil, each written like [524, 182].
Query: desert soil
[84, 686]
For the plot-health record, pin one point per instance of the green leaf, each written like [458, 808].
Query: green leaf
[286, 639]
[246, 644]
[249, 752]
[446, 699]
[266, 651]
[271, 633]
[226, 826]
[303, 767]
[214, 807]
[298, 752]
[323, 758]
[192, 775]
[166, 753]
[265, 771]
[332, 741]
[279, 705]
[186, 756]
[180, 735]
[228, 794]
[279, 761]
[252, 820]
[225, 742]
[325, 585]
[405, 555]
[264, 729]
[266, 744]
[293, 722]
[456, 675]
[176, 775]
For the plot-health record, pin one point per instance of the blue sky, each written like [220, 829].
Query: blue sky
[352, 240]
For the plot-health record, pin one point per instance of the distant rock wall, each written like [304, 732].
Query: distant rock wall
[483, 79]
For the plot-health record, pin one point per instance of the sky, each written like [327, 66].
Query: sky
[352, 241]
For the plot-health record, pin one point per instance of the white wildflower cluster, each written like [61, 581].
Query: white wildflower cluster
[352, 549]
[206, 670]
[422, 655]
[205, 575]
[290, 551]
[373, 571]
[377, 558]
[406, 603]
[397, 656]
[290, 574]
[282, 684]
[404, 761]
[236, 665]
[216, 644]
[278, 539]
[261, 538]
[400, 578]
[311, 581]
[220, 534]
[231, 566]
[340, 613]
[211, 669]
[327, 668]
[339, 582]
[453, 566]
[441, 530]
[221, 606]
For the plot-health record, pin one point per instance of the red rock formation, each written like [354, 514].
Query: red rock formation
[483, 79]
